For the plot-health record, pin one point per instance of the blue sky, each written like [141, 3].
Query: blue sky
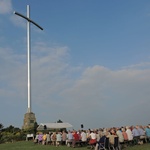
[90, 65]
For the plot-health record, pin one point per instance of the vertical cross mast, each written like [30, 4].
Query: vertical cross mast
[29, 60]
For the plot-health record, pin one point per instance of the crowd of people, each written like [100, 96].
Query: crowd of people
[93, 137]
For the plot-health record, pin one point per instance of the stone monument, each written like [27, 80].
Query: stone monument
[29, 120]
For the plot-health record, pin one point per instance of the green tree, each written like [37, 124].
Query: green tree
[9, 129]
[59, 121]
[1, 126]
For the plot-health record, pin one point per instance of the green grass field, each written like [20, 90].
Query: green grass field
[28, 145]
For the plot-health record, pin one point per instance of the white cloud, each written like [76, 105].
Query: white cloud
[5, 6]
[117, 93]
[142, 65]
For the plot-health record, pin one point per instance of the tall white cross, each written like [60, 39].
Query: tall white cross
[28, 52]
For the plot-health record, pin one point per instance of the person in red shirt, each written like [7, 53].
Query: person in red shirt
[75, 138]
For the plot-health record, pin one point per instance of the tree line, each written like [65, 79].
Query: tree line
[11, 133]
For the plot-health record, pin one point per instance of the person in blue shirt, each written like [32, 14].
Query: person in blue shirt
[135, 132]
[136, 135]
[69, 138]
[147, 130]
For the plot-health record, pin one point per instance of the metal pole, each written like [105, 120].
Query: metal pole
[28, 52]
[29, 60]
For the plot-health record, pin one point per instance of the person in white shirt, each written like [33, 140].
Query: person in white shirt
[129, 133]
[58, 138]
[119, 134]
[83, 136]
[92, 141]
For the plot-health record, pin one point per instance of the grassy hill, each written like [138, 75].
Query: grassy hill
[28, 145]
